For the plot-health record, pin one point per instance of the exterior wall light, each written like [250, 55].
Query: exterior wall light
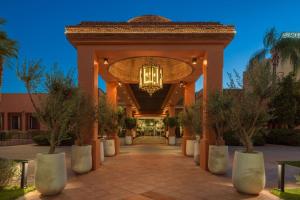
[119, 84]
[105, 62]
[194, 61]
[182, 84]
[205, 62]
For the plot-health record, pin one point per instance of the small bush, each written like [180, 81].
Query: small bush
[283, 137]
[8, 169]
[231, 139]
[41, 139]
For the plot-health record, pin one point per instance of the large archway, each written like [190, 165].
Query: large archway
[115, 50]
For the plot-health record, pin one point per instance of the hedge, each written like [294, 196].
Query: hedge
[283, 137]
[232, 140]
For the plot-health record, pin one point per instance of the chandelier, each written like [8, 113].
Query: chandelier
[150, 77]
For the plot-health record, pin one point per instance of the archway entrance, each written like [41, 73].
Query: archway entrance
[185, 50]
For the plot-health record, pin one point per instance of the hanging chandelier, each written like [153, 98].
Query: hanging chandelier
[150, 77]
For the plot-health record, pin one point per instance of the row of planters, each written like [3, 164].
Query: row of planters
[67, 113]
[244, 113]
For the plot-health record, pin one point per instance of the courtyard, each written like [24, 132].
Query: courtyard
[155, 171]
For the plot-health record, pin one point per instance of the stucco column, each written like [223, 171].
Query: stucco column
[212, 81]
[111, 93]
[171, 114]
[88, 83]
[23, 121]
[111, 97]
[189, 99]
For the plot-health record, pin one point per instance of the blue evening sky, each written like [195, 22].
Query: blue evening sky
[38, 25]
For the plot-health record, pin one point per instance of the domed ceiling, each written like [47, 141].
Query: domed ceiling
[149, 18]
[127, 70]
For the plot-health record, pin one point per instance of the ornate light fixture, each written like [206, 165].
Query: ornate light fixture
[151, 77]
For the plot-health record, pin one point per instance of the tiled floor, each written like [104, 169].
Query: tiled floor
[155, 172]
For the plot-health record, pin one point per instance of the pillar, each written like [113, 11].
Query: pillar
[212, 81]
[88, 83]
[171, 114]
[111, 97]
[189, 99]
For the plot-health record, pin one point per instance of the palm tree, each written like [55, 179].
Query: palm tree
[281, 49]
[8, 49]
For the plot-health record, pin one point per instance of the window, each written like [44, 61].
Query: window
[15, 122]
[33, 122]
[1, 121]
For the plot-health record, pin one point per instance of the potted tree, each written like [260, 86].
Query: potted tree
[130, 124]
[83, 113]
[190, 117]
[54, 112]
[218, 106]
[171, 122]
[121, 124]
[108, 125]
[248, 115]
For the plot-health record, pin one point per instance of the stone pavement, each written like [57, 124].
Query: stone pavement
[145, 172]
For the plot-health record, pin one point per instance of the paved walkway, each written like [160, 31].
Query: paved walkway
[145, 172]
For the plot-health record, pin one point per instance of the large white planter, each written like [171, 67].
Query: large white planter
[218, 159]
[189, 148]
[81, 158]
[101, 150]
[128, 140]
[248, 172]
[109, 147]
[172, 140]
[50, 173]
[196, 152]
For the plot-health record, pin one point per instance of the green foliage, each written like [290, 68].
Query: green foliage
[191, 118]
[8, 170]
[288, 194]
[130, 123]
[172, 122]
[56, 110]
[218, 108]
[249, 112]
[43, 139]
[231, 139]
[107, 117]
[10, 193]
[283, 137]
[285, 105]
[8, 48]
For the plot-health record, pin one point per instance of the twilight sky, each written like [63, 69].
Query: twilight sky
[38, 25]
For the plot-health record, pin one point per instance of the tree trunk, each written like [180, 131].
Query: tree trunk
[249, 145]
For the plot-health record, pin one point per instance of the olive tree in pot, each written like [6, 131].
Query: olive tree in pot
[218, 108]
[83, 112]
[108, 125]
[171, 122]
[54, 112]
[121, 124]
[130, 124]
[248, 115]
[191, 117]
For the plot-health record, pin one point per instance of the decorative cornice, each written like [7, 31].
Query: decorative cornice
[171, 27]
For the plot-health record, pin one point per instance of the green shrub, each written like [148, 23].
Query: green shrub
[8, 169]
[41, 139]
[283, 137]
[231, 139]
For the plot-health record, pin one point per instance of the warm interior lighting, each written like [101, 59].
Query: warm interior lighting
[194, 61]
[182, 84]
[204, 62]
[105, 62]
[150, 77]
[119, 84]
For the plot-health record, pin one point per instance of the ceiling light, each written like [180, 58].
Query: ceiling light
[194, 61]
[105, 62]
